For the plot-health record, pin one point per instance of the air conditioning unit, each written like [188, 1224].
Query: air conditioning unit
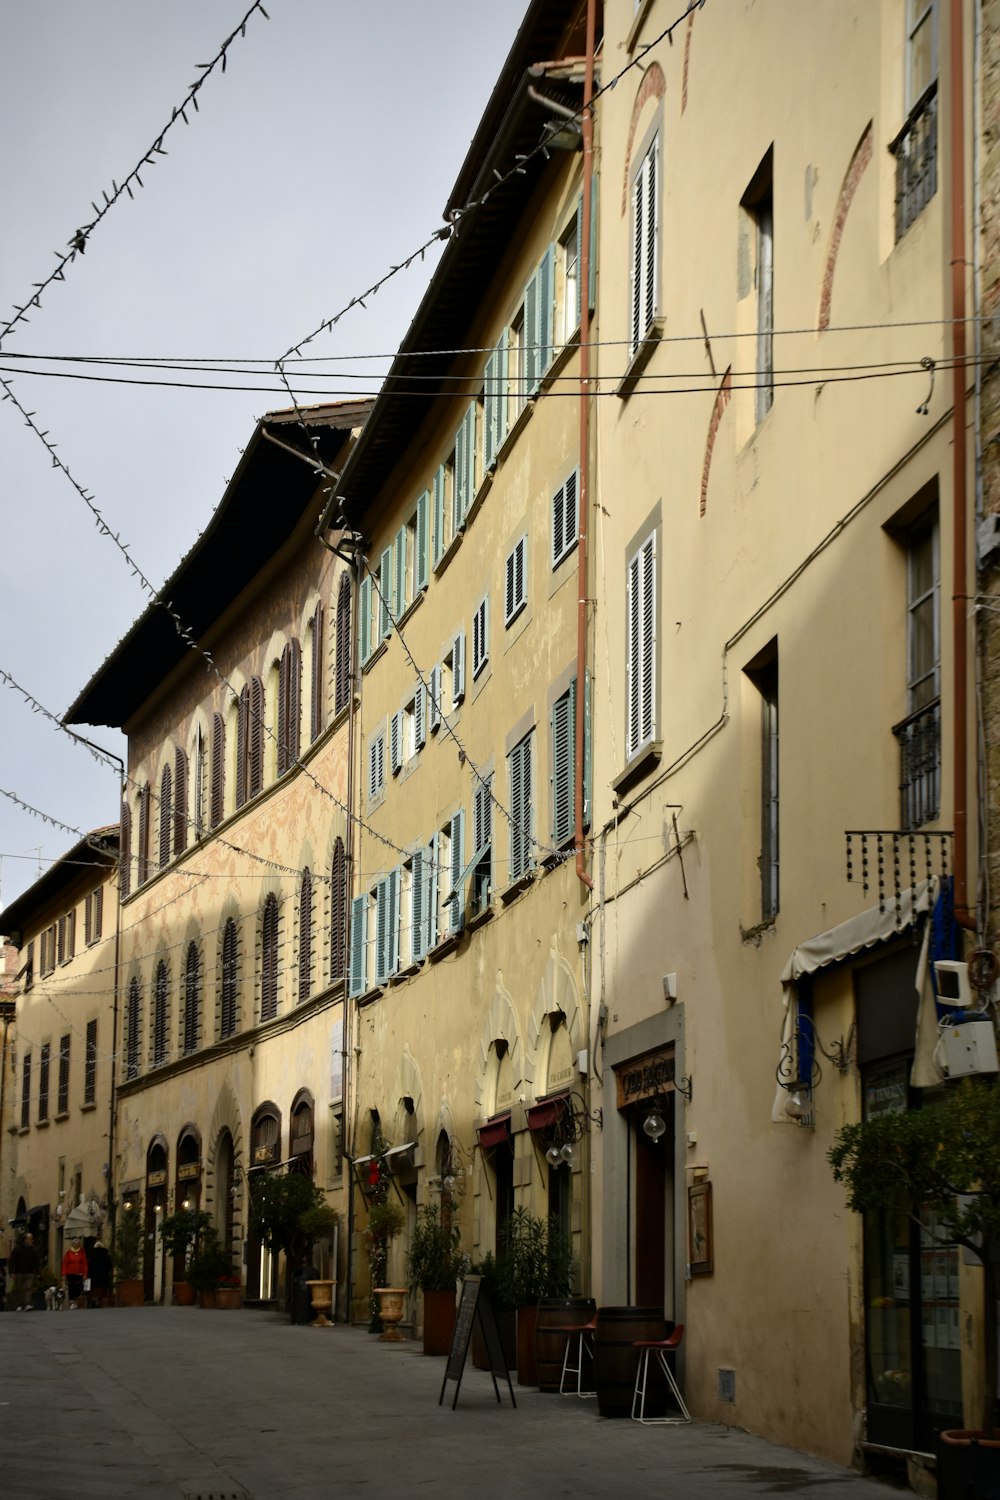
[967, 1046]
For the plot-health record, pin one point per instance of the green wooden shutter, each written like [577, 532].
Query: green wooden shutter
[457, 914]
[399, 599]
[381, 930]
[458, 669]
[365, 618]
[531, 333]
[563, 764]
[470, 457]
[430, 895]
[439, 515]
[359, 944]
[586, 750]
[435, 709]
[419, 716]
[385, 593]
[392, 950]
[491, 380]
[595, 199]
[420, 572]
[545, 314]
[395, 744]
[417, 918]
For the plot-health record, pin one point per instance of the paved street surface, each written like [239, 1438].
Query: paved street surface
[179, 1402]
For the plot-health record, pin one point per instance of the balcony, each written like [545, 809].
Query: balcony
[915, 150]
[919, 738]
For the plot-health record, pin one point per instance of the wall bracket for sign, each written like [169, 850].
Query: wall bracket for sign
[475, 1306]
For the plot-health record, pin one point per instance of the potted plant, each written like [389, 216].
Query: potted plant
[277, 1204]
[493, 1283]
[126, 1256]
[385, 1220]
[946, 1158]
[436, 1265]
[229, 1291]
[537, 1263]
[209, 1265]
[180, 1233]
[319, 1223]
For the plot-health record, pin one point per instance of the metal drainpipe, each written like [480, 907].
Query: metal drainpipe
[581, 608]
[964, 915]
[347, 1148]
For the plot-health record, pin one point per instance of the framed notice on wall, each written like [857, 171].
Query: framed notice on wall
[700, 1247]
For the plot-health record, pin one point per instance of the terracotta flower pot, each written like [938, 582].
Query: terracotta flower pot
[391, 1305]
[229, 1296]
[131, 1293]
[968, 1464]
[183, 1294]
[439, 1321]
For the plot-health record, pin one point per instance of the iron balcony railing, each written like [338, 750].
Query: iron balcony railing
[919, 738]
[915, 150]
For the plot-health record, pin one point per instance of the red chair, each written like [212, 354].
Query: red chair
[583, 1336]
[660, 1348]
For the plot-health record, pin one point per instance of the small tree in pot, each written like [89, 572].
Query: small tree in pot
[436, 1265]
[181, 1233]
[127, 1255]
[537, 1262]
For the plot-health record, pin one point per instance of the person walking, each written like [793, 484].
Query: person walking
[74, 1270]
[23, 1266]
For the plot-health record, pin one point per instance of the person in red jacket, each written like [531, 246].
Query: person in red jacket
[74, 1269]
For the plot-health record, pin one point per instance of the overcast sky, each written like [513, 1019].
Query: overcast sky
[323, 155]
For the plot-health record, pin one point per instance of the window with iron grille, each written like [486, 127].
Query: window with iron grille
[161, 1014]
[915, 147]
[338, 911]
[26, 1091]
[269, 959]
[230, 979]
[192, 997]
[43, 1083]
[132, 1031]
[62, 1106]
[919, 734]
[90, 1064]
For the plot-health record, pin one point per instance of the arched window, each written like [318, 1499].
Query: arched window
[142, 867]
[200, 757]
[166, 816]
[132, 1024]
[318, 673]
[180, 801]
[161, 1017]
[242, 743]
[255, 765]
[218, 794]
[338, 912]
[342, 667]
[230, 978]
[269, 960]
[192, 997]
[305, 935]
[289, 698]
[125, 851]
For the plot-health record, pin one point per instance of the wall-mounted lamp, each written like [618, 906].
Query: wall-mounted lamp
[573, 1118]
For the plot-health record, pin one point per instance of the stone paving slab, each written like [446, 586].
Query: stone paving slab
[135, 1404]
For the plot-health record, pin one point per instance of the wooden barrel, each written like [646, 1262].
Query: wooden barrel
[553, 1313]
[615, 1359]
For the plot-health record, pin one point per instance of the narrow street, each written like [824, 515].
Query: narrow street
[177, 1402]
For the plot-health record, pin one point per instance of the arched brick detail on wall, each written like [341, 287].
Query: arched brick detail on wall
[722, 396]
[687, 57]
[653, 86]
[859, 161]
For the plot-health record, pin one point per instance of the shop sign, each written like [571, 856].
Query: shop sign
[264, 1154]
[156, 1179]
[645, 1077]
[188, 1172]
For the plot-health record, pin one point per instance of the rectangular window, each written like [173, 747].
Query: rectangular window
[402, 572]
[495, 399]
[563, 730]
[480, 636]
[63, 1105]
[915, 146]
[645, 247]
[453, 675]
[424, 900]
[482, 840]
[519, 770]
[29, 966]
[444, 506]
[515, 582]
[61, 940]
[640, 665]
[569, 255]
[465, 469]
[564, 519]
[919, 734]
[358, 978]
[366, 636]
[921, 49]
[414, 538]
[376, 765]
[386, 904]
[757, 237]
[43, 1083]
[90, 1065]
[26, 1091]
[538, 315]
[47, 945]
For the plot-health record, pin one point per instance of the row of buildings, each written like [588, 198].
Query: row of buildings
[589, 725]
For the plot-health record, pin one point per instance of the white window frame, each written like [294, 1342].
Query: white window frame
[644, 277]
[480, 636]
[640, 647]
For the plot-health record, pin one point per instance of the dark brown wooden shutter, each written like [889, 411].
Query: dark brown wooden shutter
[294, 702]
[90, 1065]
[269, 960]
[218, 769]
[125, 852]
[180, 801]
[305, 935]
[160, 1015]
[88, 906]
[242, 716]
[98, 919]
[142, 866]
[318, 672]
[256, 737]
[342, 672]
[192, 997]
[230, 978]
[283, 665]
[338, 912]
[166, 816]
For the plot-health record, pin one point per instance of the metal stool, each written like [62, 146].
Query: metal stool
[660, 1348]
[583, 1334]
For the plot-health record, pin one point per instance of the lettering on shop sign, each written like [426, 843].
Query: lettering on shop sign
[645, 1077]
[503, 1100]
[156, 1179]
[188, 1172]
[264, 1154]
[562, 1075]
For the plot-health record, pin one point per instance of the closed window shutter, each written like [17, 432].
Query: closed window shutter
[419, 716]
[490, 410]
[87, 908]
[399, 599]
[595, 199]
[645, 237]
[458, 669]
[269, 960]
[305, 935]
[395, 745]
[338, 897]
[531, 334]
[143, 862]
[63, 1104]
[160, 1015]
[564, 519]
[365, 619]
[381, 930]
[98, 912]
[166, 816]
[457, 914]
[359, 943]
[434, 707]
[318, 673]
[420, 561]
[342, 670]
[256, 766]
[479, 639]
[90, 1065]
[294, 734]
[385, 594]
[199, 785]
[520, 808]
[544, 315]
[242, 727]
[430, 895]
[470, 457]
[218, 770]
[417, 917]
[514, 595]
[459, 494]
[563, 766]
[230, 978]
[640, 666]
[180, 801]
[503, 388]
[376, 765]
[587, 774]
[438, 515]
[192, 997]
[392, 946]
[132, 1048]
[125, 851]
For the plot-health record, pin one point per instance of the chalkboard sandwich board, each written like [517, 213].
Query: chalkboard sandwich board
[475, 1305]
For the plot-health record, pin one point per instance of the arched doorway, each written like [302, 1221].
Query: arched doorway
[187, 1182]
[301, 1134]
[265, 1156]
[156, 1202]
[225, 1191]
